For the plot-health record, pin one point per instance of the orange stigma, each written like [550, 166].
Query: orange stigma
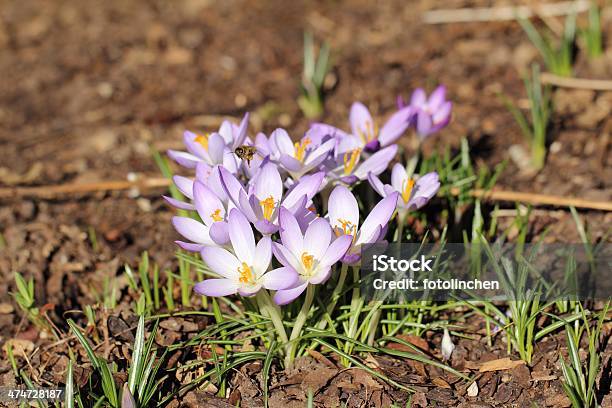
[202, 140]
[350, 160]
[216, 215]
[369, 133]
[407, 190]
[300, 148]
[246, 276]
[307, 261]
[268, 207]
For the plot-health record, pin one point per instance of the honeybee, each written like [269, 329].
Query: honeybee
[246, 153]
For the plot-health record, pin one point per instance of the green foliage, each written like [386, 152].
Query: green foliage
[540, 104]
[592, 34]
[558, 54]
[580, 377]
[313, 77]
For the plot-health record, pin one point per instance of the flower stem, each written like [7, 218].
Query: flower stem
[273, 312]
[334, 297]
[374, 322]
[299, 323]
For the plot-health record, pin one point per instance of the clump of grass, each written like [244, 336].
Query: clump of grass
[558, 54]
[540, 106]
[592, 35]
[580, 378]
[313, 77]
[26, 301]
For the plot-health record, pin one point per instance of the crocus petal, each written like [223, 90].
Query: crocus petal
[221, 261]
[281, 140]
[376, 184]
[266, 227]
[285, 256]
[442, 116]
[424, 123]
[208, 205]
[241, 133]
[183, 158]
[342, 205]
[321, 276]
[216, 147]
[249, 290]
[437, 98]
[216, 287]
[336, 250]
[226, 131]
[219, 232]
[379, 216]
[263, 255]
[203, 171]
[231, 185]
[368, 236]
[185, 185]
[395, 126]
[195, 148]
[192, 230]
[291, 163]
[285, 296]
[241, 236]
[398, 177]
[307, 186]
[189, 246]
[319, 154]
[280, 278]
[179, 204]
[377, 163]
[418, 98]
[360, 119]
[317, 238]
[291, 235]
[268, 183]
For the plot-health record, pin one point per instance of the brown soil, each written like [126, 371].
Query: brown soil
[88, 87]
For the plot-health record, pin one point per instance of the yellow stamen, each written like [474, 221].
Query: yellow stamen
[346, 228]
[216, 215]
[369, 133]
[300, 148]
[246, 276]
[268, 207]
[350, 161]
[203, 140]
[407, 190]
[307, 261]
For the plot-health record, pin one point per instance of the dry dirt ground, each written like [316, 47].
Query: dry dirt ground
[87, 88]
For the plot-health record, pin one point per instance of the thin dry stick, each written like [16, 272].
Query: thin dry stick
[506, 13]
[59, 191]
[537, 199]
[577, 83]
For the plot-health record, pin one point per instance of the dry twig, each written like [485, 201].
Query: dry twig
[505, 13]
[577, 83]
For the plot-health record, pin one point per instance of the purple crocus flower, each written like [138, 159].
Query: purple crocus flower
[300, 157]
[347, 166]
[343, 216]
[414, 194]
[244, 271]
[214, 148]
[213, 231]
[369, 136]
[430, 114]
[265, 196]
[309, 255]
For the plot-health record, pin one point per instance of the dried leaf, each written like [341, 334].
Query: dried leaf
[20, 347]
[500, 364]
[472, 390]
[440, 382]
[416, 341]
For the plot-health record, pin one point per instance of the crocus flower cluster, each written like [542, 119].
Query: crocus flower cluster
[257, 220]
